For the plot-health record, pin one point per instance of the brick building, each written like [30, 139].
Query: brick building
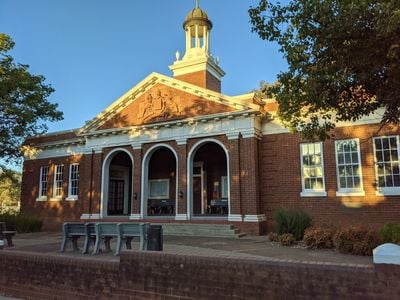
[174, 149]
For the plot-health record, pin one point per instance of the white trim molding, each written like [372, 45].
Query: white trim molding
[255, 218]
[388, 191]
[350, 194]
[134, 217]
[90, 217]
[230, 124]
[235, 218]
[181, 217]
[313, 194]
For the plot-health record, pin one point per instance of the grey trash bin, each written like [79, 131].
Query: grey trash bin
[155, 238]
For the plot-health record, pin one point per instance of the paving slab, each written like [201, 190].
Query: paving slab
[249, 247]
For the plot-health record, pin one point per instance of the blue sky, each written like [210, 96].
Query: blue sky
[93, 51]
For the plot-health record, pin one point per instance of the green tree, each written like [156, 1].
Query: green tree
[24, 107]
[343, 60]
[10, 190]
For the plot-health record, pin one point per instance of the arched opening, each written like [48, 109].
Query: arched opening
[117, 184]
[209, 188]
[160, 182]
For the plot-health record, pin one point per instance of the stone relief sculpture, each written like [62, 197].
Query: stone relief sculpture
[162, 103]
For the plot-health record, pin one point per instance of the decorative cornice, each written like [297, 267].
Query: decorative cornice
[169, 124]
[62, 143]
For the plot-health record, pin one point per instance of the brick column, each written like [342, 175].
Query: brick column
[137, 182]
[235, 212]
[251, 207]
[181, 213]
[95, 184]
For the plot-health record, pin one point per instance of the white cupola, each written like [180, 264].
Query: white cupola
[198, 66]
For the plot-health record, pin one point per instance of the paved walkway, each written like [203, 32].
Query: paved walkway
[247, 247]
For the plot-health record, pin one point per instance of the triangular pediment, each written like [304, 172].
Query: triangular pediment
[159, 98]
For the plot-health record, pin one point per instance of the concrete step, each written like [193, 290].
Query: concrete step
[204, 230]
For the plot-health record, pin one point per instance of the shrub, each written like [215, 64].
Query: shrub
[356, 240]
[293, 221]
[21, 223]
[273, 237]
[390, 233]
[319, 238]
[287, 239]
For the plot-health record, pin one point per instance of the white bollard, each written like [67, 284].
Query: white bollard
[387, 254]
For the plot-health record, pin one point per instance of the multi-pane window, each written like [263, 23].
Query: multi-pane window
[348, 166]
[73, 185]
[58, 181]
[387, 162]
[312, 169]
[159, 189]
[44, 180]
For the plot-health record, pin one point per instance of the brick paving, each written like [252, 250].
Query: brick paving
[250, 247]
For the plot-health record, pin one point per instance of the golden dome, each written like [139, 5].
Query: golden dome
[197, 16]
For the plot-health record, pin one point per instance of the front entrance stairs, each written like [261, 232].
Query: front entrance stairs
[203, 230]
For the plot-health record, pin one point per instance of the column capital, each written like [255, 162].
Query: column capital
[136, 146]
[182, 141]
[232, 135]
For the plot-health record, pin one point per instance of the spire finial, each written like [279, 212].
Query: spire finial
[197, 3]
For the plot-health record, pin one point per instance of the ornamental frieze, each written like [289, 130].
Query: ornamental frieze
[162, 103]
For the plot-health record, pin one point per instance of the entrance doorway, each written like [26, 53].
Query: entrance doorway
[117, 184]
[208, 180]
[160, 182]
[116, 197]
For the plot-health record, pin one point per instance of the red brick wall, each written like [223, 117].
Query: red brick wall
[202, 79]
[53, 213]
[280, 181]
[151, 275]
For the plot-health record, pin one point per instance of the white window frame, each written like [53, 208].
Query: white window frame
[312, 192]
[164, 196]
[70, 180]
[55, 196]
[385, 191]
[224, 187]
[41, 181]
[349, 191]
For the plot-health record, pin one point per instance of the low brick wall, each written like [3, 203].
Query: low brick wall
[145, 275]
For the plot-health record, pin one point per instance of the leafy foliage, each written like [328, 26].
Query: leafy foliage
[10, 189]
[273, 237]
[318, 238]
[21, 223]
[343, 57]
[390, 233]
[356, 240]
[287, 239]
[24, 107]
[293, 221]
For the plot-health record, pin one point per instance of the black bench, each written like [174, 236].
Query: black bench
[6, 234]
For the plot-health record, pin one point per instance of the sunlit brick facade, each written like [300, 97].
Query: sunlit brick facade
[174, 149]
